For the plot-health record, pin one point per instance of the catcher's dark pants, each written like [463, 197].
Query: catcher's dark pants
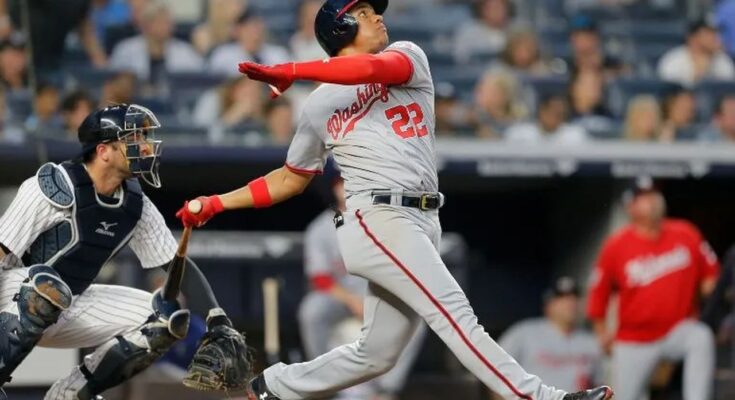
[94, 319]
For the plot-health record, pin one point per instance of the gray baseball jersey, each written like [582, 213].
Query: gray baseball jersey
[566, 361]
[381, 137]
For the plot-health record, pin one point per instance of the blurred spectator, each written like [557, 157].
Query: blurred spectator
[522, 54]
[234, 102]
[587, 50]
[250, 45]
[642, 119]
[722, 128]
[155, 52]
[452, 117]
[554, 347]
[725, 15]
[50, 24]
[279, 121]
[217, 29]
[550, 126]
[700, 58]
[497, 103]
[75, 107]
[644, 264]
[587, 95]
[679, 111]
[303, 43]
[486, 33]
[118, 89]
[10, 132]
[109, 13]
[14, 63]
[46, 118]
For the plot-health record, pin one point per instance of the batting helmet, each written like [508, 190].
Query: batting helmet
[336, 29]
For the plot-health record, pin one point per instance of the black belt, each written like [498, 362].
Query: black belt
[424, 202]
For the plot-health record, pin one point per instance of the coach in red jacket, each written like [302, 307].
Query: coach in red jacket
[659, 267]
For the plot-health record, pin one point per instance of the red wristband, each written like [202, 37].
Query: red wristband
[217, 205]
[322, 283]
[260, 193]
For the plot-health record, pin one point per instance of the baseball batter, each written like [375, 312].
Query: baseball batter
[375, 114]
[336, 296]
[659, 267]
[64, 224]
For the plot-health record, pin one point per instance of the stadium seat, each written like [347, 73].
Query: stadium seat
[534, 89]
[708, 94]
[19, 104]
[624, 89]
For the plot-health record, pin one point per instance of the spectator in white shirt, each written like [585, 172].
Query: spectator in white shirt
[155, 52]
[550, 126]
[303, 43]
[486, 33]
[700, 58]
[250, 45]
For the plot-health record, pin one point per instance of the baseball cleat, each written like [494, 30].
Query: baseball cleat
[600, 393]
[257, 390]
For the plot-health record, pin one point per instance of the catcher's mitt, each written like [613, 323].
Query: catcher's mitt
[222, 361]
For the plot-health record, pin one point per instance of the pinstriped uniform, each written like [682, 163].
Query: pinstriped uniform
[99, 313]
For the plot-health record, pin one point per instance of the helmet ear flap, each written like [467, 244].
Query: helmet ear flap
[345, 31]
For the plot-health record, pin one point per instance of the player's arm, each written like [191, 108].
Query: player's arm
[325, 283]
[277, 186]
[26, 216]
[389, 67]
[601, 286]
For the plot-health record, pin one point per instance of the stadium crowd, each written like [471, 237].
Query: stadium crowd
[565, 71]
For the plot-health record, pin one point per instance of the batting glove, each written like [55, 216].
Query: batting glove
[280, 77]
[211, 206]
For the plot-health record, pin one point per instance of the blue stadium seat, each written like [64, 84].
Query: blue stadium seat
[19, 104]
[89, 78]
[159, 106]
[708, 93]
[186, 86]
[622, 90]
[534, 89]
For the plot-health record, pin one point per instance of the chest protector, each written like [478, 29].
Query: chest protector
[78, 247]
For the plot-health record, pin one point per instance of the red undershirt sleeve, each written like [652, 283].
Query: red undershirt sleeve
[388, 67]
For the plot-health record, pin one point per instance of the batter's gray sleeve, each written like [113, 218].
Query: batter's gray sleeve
[307, 152]
[152, 241]
[28, 215]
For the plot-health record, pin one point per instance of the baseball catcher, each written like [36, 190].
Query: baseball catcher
[64, 224]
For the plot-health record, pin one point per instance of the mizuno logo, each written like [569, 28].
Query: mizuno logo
[105, 230]
[107, 225]
[263, 396]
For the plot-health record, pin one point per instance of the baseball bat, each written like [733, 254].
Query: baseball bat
[172, 286]
[270, 312]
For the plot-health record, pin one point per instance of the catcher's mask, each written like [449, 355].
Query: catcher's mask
[133, 126]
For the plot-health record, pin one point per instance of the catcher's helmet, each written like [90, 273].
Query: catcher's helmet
[134, 125]
[334, 28]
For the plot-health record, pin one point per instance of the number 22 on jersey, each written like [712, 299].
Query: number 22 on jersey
[407, 121]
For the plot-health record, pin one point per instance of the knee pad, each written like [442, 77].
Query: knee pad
[41, 299]
[133, 352]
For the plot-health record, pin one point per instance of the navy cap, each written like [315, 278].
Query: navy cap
[642, 184]
[563, 286]
[581, 22]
